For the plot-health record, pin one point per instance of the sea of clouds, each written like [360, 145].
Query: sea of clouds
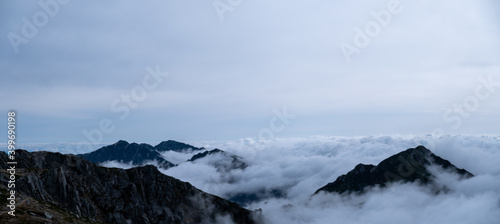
[297, 167]
[300, 166]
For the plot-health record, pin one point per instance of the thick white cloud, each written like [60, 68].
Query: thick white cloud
[300, 166]
[406, 203]
[177, 157]
[117, 164]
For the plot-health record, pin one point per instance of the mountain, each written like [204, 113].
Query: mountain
[78, 191]
[407, 166]
[175, 146]
[206, 153]
[229, 161]
[140, 154]
[125, 152]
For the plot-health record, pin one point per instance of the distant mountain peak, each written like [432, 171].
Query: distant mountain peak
[121, 142]
[407, 166]
[125, 152]
[175, 146]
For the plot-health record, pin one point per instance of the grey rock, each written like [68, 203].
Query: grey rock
[112, 195]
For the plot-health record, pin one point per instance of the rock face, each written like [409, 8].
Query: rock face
[125, 152]
[112, 195]
[175, 146]
[229, 161]
[407, 166]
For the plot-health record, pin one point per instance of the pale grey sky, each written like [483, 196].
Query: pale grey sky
[226, 76]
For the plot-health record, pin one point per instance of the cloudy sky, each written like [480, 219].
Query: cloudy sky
[88, 71]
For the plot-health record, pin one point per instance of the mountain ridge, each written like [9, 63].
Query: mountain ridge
[113, 195]
[406, 166]
[125, 152]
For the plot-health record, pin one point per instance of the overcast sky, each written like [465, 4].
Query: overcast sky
[408, 69]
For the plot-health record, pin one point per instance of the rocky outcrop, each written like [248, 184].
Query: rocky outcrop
[407, 166]
[112, 195]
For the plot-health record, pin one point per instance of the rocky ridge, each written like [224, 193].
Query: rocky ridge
[410, 165]
[112, 195]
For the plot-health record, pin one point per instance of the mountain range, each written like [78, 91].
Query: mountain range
[124, 152]
[141, 154]
[58, 188]
[61, 188]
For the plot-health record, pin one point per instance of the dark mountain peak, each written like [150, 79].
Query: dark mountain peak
[121, 142]
[175, 146]
[407, 166]
[137, 154]
[125, 152]
[111, 195]
[421, 148]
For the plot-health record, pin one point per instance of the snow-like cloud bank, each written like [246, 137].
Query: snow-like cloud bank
[469, 202]
[117, 164]
[177, 158]
[299, 166]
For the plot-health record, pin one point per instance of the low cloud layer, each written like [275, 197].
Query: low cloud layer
[468, 202]
[300, 166]
[297, 167]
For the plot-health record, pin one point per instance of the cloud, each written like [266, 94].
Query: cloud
[297, 167]
[177, 157]
[400, 203]
[117, 164]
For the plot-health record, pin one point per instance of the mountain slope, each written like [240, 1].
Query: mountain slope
[125, 152]
[111, 195]
[407, 166]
